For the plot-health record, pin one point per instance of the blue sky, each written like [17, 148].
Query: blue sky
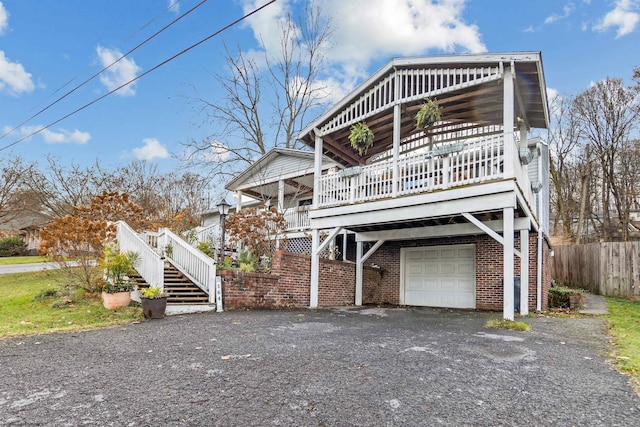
[44, 44]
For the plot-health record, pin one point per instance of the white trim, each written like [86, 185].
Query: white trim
[436, 231]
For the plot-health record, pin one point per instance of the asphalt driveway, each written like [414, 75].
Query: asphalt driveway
[369, 367]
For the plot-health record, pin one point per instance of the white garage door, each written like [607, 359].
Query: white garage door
[440, 276]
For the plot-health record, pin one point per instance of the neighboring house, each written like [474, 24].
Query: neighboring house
[443, 213]
[27, 226]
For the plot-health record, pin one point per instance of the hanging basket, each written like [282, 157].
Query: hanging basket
[361, 137]
[428, 114]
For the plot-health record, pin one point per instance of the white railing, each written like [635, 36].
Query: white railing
[150, 266]
[446, 166]
[198, 267]
[297, 218]
[209, 233]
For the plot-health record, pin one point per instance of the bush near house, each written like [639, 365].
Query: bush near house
[563, 297]
[12, 246]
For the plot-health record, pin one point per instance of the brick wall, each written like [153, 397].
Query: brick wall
[288, 285]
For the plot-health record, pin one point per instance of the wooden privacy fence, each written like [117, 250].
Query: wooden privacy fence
[611, 269]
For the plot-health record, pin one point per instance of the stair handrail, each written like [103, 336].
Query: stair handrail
[150, 266]
[195, 265]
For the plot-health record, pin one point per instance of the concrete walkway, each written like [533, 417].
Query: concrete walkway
[594, 305]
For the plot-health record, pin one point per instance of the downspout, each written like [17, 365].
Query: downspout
[540, 235]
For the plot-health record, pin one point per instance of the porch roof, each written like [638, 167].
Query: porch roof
[465, 87]
[294, 167]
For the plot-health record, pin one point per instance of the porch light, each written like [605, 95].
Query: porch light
[223, 208]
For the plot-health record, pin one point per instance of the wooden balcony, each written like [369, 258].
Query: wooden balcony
[448, 166]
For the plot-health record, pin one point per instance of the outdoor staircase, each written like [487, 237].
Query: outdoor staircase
[180, 289]
[169, 262]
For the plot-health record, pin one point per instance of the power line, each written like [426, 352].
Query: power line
[182, 52]
[71, 80]
[103, 70]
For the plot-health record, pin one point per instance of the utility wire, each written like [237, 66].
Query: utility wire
[71, 80]
[102, 70]
[141, 75]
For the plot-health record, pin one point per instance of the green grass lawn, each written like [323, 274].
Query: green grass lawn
[25, 308]
[21, 260]
[624, 327]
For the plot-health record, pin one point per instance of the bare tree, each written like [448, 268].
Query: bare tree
[264, 104]
[59, 188]
[608, 112]
[12, 172]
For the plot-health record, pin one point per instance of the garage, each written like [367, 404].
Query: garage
[438, 276]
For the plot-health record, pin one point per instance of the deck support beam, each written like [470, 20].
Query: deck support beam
[508, 264]
[316, 250]
[360, 260]
[524, 272]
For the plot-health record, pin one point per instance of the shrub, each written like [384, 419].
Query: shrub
[560, 297]
[12, 246]
[205, 248]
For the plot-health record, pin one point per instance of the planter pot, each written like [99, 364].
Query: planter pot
[118, 299]
[154, 308]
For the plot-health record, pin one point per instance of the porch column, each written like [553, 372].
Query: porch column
[524, 272]
[508, 119]
[395, 178]
[344, 245]
[508, 251]
[239, 201]
[281, 196]
[317, 170]
[359, 273]
[315, 268]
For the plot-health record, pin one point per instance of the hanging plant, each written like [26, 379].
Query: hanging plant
[427, 115]
[361, 137]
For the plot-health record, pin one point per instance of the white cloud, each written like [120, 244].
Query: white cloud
[13, 77]
[369, 30]
[4, 19]
[625, 17]
[119, 73]
[152, 149]
[218, 153]
[59, 136]
[174, 6]
[567, 9]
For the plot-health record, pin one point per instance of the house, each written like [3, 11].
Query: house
[454, 215]
[451, 215]
[27, 226]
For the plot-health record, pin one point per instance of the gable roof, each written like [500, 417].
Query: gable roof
[465, 87]
[294, 167]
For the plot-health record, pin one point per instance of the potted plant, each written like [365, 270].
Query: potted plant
[116, 285]
[154, 302]
[361, 137]
[428, 114]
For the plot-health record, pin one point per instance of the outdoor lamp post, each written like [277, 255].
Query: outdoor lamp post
[223, 208]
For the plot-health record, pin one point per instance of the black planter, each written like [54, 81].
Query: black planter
[153, 308]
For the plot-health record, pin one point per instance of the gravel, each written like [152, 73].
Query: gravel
[339, 367]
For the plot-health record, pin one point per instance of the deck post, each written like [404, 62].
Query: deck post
[395, 178]
[359, 273]
[281, 196]
[508, 251]
[508, 120]
[315, 268]
[524, 272]
[317, 170]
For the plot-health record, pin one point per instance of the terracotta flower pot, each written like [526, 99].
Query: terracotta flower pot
[153, 308]
[115, 300]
